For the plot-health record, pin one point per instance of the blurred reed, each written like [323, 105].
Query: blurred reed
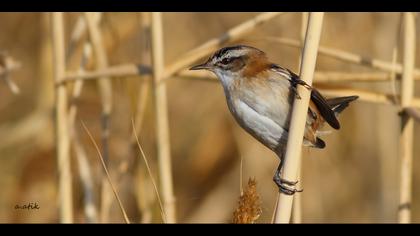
[162, 211]
[327, 81]
[105, 90]
[162, 122]
[114, 190]
[62, 129]
[407, 123]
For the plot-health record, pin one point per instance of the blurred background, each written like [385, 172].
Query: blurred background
[354, 179]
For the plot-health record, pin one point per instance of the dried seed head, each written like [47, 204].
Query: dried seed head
[249, 205]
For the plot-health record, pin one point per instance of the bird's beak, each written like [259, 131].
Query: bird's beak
[204, 66]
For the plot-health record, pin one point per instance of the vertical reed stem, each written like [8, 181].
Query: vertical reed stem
[145, 206]
[300, 108]
[62, 130]
[85, 173]
[297, 202]
[145, 60]
[164, 155]
[105, 90]
[407, 123]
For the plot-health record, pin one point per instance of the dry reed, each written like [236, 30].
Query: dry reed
[7, 65]
[203, 50]
[297, 202]
[162, 122]
[107, 174]
[212, 45]
[407, 123]
[412, 112]
[292, 156]
[145, 59]
[105, 90]
[62, 130]
[149, 171]
[349, 57]
[85, 172]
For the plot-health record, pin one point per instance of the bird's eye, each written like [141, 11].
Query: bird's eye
[226, 61]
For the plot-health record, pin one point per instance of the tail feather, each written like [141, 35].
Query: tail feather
[340, 103]
[319, 143]
[337, 105]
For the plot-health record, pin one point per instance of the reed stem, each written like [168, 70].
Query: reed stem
[298, 119]
[65, 193]
[407, 123]
[162, 122]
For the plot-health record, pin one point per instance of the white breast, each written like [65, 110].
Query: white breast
[259, 126]
[262, 116]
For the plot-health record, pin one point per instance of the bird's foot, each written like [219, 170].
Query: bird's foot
[286, 186]
[294, 89]
[299, 82]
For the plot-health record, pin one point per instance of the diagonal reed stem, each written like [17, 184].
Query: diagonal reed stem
[149, 172]
[107, 174]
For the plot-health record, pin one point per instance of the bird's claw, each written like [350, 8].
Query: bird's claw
[296, 92]
[286, 186]
[299, 82]
[287, 190]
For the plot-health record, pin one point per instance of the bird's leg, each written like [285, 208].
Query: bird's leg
[296, 82]
[294, 89]
[284, 185]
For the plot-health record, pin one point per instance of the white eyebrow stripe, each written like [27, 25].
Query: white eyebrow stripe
[234, 53]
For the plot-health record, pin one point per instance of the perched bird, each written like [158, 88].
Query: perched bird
[260, 96]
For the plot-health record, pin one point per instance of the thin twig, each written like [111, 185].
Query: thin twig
[213, 44]
[241, 176]
[190, 57]
[413, 112]
[364, 95]
[320, 76]
[348, 57]
[321, 82]
[107, 173]
[149, 172]
[126, 70]
[123, 70]
[7, 65]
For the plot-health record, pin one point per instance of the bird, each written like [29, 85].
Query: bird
[260, 95]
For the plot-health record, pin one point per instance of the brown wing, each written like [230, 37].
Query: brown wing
[318, 100]
[324, 109]
[313, 123]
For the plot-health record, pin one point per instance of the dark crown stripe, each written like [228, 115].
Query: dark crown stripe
[222, 51]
